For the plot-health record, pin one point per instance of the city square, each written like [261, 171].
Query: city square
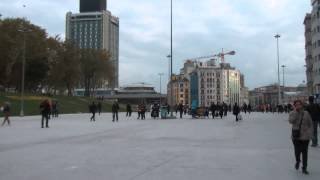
[259, 147]
[69, 68]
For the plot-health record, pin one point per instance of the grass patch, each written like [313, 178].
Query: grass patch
[66, 105]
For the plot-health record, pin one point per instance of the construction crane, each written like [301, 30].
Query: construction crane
[219, 55]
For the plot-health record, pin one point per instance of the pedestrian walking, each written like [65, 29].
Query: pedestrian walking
[6, 112]
[314, 111]
[139, 111]
[245, 108]
[93, 110]
[301, 134]
[143, 111]
[249, 108]
[45, 112]
[129, 110]
[213, 110]
[155, 110]
[168, 108]
[99, 106]
[225, 109]
[236, 111]
[55, 111]
[115, 109]
[180, 109]
[220, 108]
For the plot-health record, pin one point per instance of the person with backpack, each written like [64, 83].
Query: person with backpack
[314, 111]
[302, 128]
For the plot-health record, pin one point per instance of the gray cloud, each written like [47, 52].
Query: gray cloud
[200, 28]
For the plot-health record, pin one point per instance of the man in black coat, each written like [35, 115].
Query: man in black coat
[129, 110]
[99, 107]
[180, 109]
[213, 109]
[314, 111]
[115, 109]
[93, 110]
[45, 111]
[236, 111]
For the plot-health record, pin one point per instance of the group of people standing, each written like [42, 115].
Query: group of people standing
[268, 108]
[93, 108]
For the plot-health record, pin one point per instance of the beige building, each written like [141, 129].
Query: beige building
[180, 88]
[207, 83]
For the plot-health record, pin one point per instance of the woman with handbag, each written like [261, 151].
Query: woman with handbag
[301, 134]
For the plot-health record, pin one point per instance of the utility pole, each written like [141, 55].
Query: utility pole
[283, 89]
[171, 59]
[277, 36]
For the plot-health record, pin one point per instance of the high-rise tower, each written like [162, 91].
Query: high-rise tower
[97, 29]
[93, 5]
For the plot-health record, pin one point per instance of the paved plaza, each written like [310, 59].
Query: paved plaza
[257, 148]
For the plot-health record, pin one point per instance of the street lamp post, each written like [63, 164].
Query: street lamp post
[283, 89]
[171, 57]
[277, 36]
[23, 72]
[24, 31]
[160, 74]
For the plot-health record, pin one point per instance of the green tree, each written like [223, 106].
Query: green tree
[96, 69]
[13, 32]
[69, 65]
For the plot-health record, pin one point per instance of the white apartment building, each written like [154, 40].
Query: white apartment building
[312, 27]
[210, 83]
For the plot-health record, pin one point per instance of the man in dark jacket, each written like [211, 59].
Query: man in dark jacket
[314, 111]
[93, 110]
[213, 110]
[99, 107]
[236, 111]
[115, 109]
[45, 111]
[225, 109]
[143, 111]
[129, 110]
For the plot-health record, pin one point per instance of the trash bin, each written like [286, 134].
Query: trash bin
[164, 112]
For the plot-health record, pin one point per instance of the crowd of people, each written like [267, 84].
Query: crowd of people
[304, 118]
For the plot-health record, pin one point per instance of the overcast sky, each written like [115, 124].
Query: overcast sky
[201, 28]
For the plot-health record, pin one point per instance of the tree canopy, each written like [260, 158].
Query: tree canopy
[52, 65]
